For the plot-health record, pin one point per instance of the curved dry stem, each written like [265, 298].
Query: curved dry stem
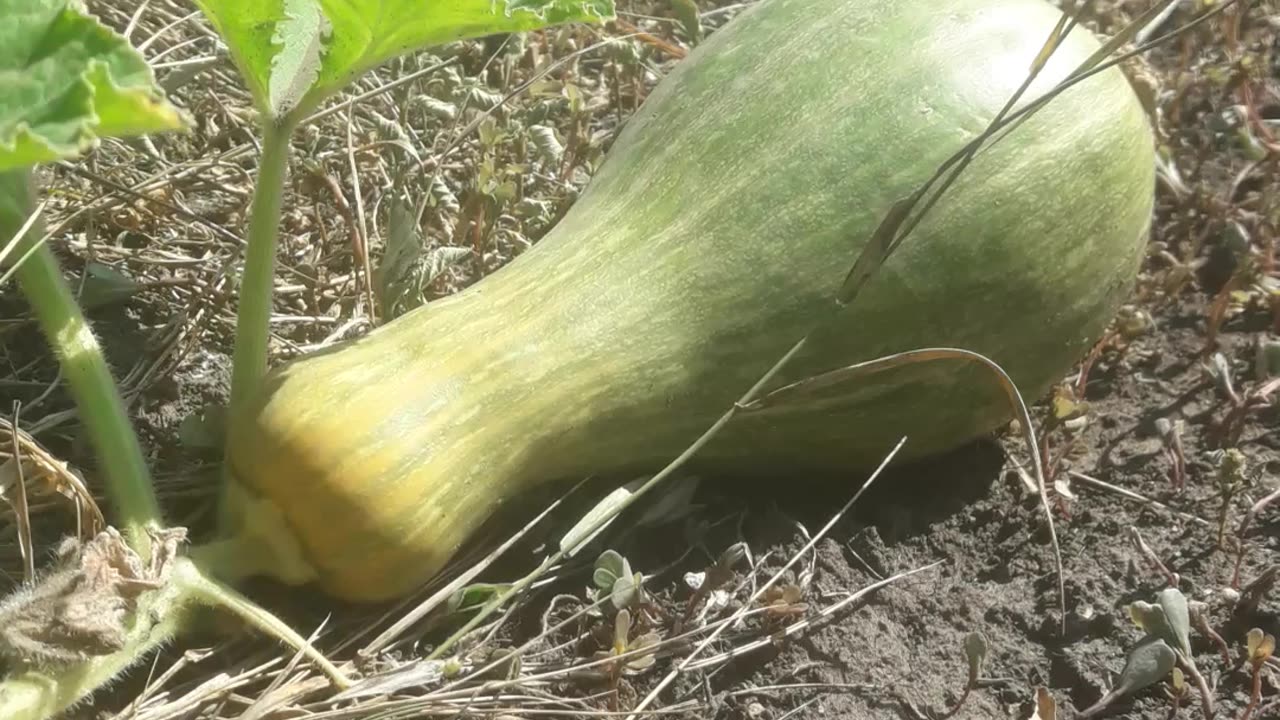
[803, 388]
[194, 583]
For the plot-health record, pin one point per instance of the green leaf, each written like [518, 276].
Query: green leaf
[1178, 615]
[301, 36]
[397, 281]
[975, 649]
[686, 12]
[66, 81]
[104, 285]
[626, 590]
[608, 568]
[1148, 663]
[474, 597]
[274, 42]
[205, 430]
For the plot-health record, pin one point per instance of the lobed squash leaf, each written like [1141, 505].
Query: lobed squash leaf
[66, 81]
[301, 36]
[295, 53]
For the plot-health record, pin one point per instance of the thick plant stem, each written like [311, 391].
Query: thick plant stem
[42, 694]
[254, 317]
[89, 379]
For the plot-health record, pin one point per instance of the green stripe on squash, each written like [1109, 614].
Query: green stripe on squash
[717, 231]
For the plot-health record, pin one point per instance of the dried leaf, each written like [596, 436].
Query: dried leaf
[580, 534]
[545, 140]
[1046, 706]
[399, 289]
[79, 610]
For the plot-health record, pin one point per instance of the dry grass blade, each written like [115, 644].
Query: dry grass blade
[1137, 497]
[1066, 24]
[280, 691]
[49, 476]
[19, 500]
[1127, 33]
[12, 243]
[878, 248]
[802, 625]
[15, 242]
[412, 617]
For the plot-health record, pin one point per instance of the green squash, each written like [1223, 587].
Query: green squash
[716, 233]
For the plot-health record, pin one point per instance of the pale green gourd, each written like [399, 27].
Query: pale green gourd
[715, 234]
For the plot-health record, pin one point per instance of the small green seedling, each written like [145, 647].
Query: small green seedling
[614, 578]
[1171, 439]
[975, 652]
[1259, 648]
[1169, 619]
[714, 578]
[1150, 661]
[1253, 399]
[1233, 478]
[623, 643]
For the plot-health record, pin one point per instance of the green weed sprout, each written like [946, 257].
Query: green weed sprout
[613, 577]
[1150, 661]
[67, 82]
[1259, 647]
[975, 652]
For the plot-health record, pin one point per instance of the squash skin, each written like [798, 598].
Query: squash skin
[714, 235]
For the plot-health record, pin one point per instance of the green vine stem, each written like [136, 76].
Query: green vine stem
[253, 322]
[89, 379]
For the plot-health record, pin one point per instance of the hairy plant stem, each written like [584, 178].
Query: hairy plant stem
[89, 379]
[253, 320]
[161, 616]
[36, 694]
